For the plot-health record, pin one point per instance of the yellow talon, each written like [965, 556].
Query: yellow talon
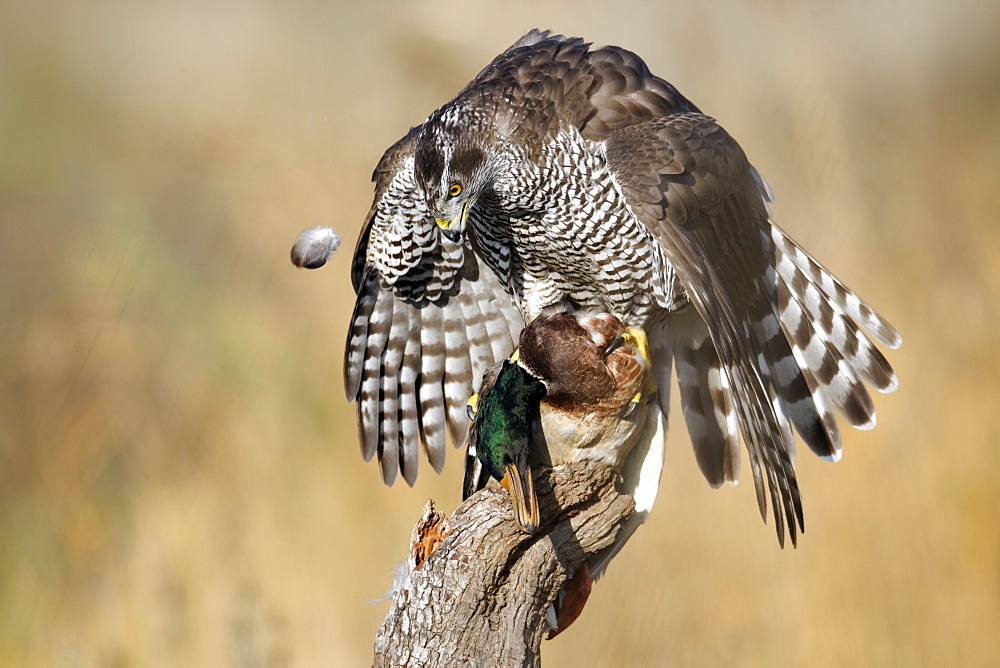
[514, 355]
[472, 406]
[636, 337]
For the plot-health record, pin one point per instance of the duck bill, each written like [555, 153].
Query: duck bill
[522, 493]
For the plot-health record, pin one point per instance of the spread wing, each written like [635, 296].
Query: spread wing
[428, 321]
[783, 330]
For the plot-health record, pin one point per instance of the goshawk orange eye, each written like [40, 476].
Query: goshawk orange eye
[455, 190]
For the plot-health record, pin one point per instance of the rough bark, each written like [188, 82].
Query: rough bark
[477, 589]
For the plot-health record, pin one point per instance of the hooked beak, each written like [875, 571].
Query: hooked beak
[522, 494]
[454, 229]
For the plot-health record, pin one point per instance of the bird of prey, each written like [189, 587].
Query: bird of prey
[564, 176]
[577, 388]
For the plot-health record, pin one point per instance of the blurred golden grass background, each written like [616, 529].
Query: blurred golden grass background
[180, 481]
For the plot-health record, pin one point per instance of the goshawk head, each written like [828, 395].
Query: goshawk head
[453, 165]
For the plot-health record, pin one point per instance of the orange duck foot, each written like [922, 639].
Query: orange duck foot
[574, 596]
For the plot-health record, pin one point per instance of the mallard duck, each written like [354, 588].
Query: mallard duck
[577, 387]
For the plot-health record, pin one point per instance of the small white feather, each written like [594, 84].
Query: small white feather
[314, 247]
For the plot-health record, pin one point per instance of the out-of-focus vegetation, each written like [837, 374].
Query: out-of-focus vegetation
[180, 481]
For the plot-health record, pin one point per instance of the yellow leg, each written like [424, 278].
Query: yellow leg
[636, 337]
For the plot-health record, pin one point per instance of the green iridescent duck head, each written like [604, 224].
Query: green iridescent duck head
[502, 434]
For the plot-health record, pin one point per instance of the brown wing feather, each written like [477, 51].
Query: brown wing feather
[544, 83]
[624, 92]
[708, 410]
[710, 229]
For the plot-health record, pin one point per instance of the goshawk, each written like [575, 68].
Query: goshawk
[565, 176]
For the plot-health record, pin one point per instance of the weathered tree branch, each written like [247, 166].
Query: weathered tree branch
[477, 589]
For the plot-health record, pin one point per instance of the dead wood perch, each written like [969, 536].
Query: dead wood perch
[477, 589]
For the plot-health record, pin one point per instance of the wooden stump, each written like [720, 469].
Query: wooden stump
[477, 589]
